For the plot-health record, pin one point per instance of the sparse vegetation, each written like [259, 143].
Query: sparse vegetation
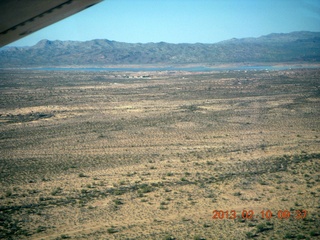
[122, 157]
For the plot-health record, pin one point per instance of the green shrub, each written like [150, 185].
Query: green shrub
[250, 234]
[301, 236]
[262, 227]
[289, 235]
[112, 230]
[314, 233]
[8, 193]
[198, 238]
[169, 238]
[118, 201]
[63, 236]
[145, 188]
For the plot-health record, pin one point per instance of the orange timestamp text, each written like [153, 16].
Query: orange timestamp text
[264, 214]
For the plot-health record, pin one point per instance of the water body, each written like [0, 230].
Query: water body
[188, 69]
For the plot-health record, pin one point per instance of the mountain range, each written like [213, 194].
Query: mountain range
[276, 47]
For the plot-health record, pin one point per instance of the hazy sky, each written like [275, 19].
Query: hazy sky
[187, 21]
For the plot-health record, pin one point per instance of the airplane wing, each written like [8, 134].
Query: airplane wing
[19, 18]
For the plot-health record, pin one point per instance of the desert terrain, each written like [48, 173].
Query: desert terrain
[155, 155]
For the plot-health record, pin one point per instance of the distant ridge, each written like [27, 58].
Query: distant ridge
[276, 47]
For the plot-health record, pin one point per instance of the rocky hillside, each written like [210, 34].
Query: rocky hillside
[290, 47]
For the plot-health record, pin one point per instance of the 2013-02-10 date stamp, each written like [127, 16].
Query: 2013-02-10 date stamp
[264, 214]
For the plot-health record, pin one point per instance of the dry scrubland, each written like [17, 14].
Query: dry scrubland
[103, 155]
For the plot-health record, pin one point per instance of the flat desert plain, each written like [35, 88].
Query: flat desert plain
[160, 155]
